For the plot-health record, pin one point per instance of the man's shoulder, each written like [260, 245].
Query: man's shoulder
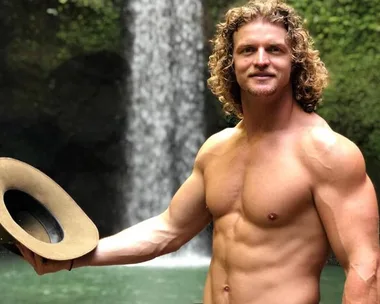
[218, 140]
[323, 139]
[216, 144]
[328, 152]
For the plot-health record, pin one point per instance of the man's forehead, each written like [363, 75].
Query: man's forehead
[261, 31]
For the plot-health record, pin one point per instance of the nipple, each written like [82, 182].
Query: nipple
[272, 216]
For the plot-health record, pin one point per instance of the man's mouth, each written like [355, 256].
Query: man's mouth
[262, 75]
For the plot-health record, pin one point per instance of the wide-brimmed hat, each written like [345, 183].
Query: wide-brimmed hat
[36, 212]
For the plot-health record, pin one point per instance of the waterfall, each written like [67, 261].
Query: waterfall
[165, 114]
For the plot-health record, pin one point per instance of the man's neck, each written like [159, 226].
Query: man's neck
[267, 114]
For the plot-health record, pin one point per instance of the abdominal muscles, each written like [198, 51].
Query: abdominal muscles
[266, 265]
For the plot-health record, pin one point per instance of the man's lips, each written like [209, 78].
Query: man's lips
[261, 75]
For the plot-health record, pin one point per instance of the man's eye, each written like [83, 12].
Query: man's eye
[274, 49]
[248, 50]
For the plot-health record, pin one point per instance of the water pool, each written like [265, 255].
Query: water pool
[122, 285]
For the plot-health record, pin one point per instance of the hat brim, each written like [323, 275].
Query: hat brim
[80, 235]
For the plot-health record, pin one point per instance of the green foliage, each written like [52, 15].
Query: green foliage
[49, 34]
[88, 25]
[40, 36]
[347, 34]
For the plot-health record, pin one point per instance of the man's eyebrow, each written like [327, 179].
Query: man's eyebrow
[278, 44]
[253, 43]
[246, 44]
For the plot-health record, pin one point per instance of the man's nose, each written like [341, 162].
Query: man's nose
[261, 58]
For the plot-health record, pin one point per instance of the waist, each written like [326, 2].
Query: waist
[273, 285]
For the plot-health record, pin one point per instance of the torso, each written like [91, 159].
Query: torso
[269, 245]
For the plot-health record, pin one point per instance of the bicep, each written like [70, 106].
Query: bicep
[187, 213]
[349, 212]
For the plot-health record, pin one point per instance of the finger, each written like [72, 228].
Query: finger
[49, 266]
[26, 253]
[35, 260]
[41, 264]
[30, 257]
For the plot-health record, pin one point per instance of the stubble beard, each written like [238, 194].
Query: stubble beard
[257, 92]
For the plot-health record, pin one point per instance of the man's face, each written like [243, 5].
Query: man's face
[262, 58]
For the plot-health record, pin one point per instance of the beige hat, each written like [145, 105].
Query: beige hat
[36, 212]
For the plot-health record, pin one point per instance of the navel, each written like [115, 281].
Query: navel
[272, 216]
[226, 288]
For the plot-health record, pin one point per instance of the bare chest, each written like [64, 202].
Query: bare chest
[267, 188]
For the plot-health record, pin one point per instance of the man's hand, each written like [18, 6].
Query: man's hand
[41, 265]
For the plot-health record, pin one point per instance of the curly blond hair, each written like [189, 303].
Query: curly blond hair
[309, 74]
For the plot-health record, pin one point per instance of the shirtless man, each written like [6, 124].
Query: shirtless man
[281, 187]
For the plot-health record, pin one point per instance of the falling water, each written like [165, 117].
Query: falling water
[165, 123]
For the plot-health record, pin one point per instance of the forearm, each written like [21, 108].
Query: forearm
[360, 286]
[139, 243]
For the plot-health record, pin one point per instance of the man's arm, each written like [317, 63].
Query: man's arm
[185, 217]
[346, 201]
